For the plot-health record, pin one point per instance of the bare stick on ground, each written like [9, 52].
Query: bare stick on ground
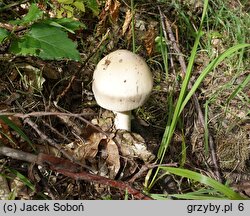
[70, 169]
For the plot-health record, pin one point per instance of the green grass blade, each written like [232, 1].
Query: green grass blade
[209, 68]
[169, 133]
[228, 192]
[133, 25]
[206, 131]
[201, 194]
[164, 51]
[12, 125]
[238, 89]
[184, 197]
[184, 150]
[22, 178]
[196, 197]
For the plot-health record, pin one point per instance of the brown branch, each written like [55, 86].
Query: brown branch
[70, 169]
[17, 154]
[147, 167]
[106, 181]
[51, 142]
[10, 27]
[38, 114]
[194, 96]
[45, 138]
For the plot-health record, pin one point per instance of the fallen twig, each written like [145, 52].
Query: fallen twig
[147, 167]
[11, 27]
[45, 138]
[39, 114]
[175, 46]
[17, 154]
[70, 169]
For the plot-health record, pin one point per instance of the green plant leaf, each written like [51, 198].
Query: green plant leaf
[228, 192]
[25, 46]
[46, 42]
[33, 15]
[68, 24]
[93, 6]
[3, 34]
[66, 1]
[79, 5]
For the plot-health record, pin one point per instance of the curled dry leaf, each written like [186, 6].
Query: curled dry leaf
[85, 150]
[106, 121]
[89, 149]
[19, 189]
[113, 158]
[131, 147]
[134, 146]
[4, 188]
[110, 12]
[113, 7]
[149, 39]
[127, 21]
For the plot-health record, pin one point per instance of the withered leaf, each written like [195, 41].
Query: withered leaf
[133, 146]
[113, 7]
[127, 21]
[89, 149]
[4, 188]
[149, 40]
[113, 158]
[82, 150]
[106, 120]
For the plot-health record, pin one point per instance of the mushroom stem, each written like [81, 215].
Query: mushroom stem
[123, 120]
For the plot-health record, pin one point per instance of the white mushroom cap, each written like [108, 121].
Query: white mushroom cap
[122, 81]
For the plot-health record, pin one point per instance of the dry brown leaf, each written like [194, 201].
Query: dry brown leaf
[6, 137]
[111, 10]
[134, 146]
[4, 188]
[82, 150]
[101, 26]
[67, 120]
[149, 40]
[19, 189]
[106, 120]
[127, 21]
[89, 149]
[113, 7]
[113, 158]
[243, 186]
[5, 130]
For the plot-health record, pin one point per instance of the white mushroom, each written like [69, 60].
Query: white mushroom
[122, 81]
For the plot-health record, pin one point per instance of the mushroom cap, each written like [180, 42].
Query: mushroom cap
[122, 81]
